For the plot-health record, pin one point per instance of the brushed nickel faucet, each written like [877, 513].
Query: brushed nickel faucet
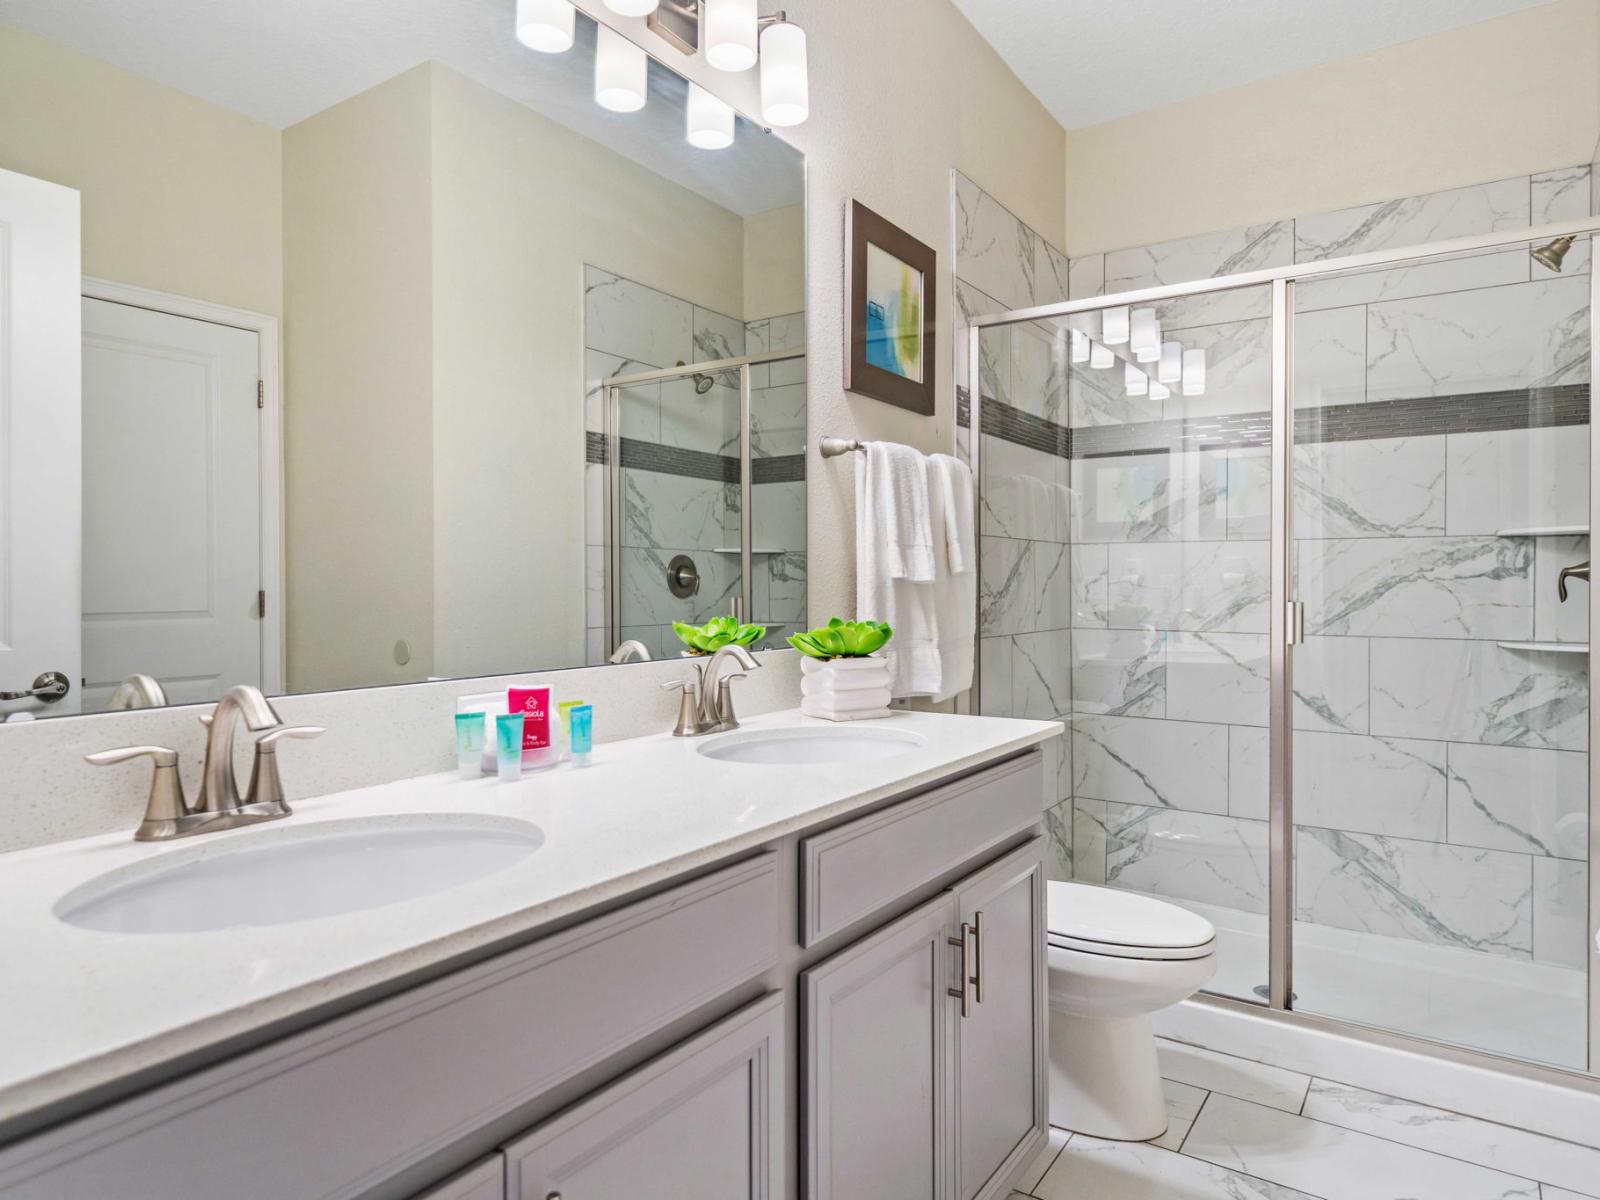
[1581, 571]
[707, 705]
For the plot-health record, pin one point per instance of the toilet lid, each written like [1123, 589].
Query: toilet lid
[1102, 920]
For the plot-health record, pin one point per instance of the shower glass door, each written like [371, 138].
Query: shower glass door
[1441, 694]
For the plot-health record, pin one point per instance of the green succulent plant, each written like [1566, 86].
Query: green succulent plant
[842, 639]
[717, 633]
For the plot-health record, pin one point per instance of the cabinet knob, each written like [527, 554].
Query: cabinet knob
[553, 1196]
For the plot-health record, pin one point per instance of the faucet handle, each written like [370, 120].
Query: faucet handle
[265, 793]
[268, 743]
[688, 708]
[167, 805]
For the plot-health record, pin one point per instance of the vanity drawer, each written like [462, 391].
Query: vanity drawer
[337, 1110]
[856, 868]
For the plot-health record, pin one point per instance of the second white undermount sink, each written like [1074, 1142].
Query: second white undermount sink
[298, 873]
[811, 746]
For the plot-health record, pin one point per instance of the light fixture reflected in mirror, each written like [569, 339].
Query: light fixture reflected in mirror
[1114, 326]
[1080, 346]
[1144, 337]
[1101, 358]
[1194, 372]
[621, 72]
[1135, 380]
[1170, 369]
[633, 8]
[710, 120]
[785, 90]
[730, 33]
[545, 25]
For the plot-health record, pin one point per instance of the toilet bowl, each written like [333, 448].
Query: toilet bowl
[1114, 959]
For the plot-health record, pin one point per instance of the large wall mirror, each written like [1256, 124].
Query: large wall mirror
[402, 357]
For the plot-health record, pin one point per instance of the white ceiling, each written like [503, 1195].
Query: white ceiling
[1094, 60]
[281, 61]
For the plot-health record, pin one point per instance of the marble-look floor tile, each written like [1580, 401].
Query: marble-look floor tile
[1006, 585]
[1191, 586]
[1553, 619]
[1389, 786]
[1564, 195]
[1472, 691]
[1183, 1106]
[1526, 335]
[1187, 856]
[1517, 479]
[1041, 674]
[1340, 1164]
[1090, 586]
[1207, 256]
[1132, 760]
[1042, 1162]
[1515, 1151]
[1220, 677]
[1509, 798]
[1091, 1169]
[1119, 673]
[994, 250]
[1088, 840]
[1561, 914]
[636, 322]
[1443, 895]
[1381, 487]
[1477, 587]
[1330, 356]
[1240, 1078]
[1331, 691]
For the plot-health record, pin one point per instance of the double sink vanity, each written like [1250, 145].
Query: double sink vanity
[793, 960]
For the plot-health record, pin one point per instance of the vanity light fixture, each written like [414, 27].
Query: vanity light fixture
[633, 8]
[1160, 391]
[1101, 358]
[1194, 372]
[1144, 337]
[710, 120]
[1114, 326]
[1080, 346]
[1170, 368]
[730, 33]
[545, 25]
[1136, 381]
[621, 72]
[785, 77]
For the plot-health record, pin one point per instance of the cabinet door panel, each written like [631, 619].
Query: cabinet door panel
[703, 1121]
[1000, 1084]
[876, 1044]
[485, 1181]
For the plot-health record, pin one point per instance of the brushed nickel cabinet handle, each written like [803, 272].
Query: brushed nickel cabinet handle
[963, 993]
[978, 940]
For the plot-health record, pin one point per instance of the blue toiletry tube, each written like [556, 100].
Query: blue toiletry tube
[582, 734]
[470, 732]
[508, 746]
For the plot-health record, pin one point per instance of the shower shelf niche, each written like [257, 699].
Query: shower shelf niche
[1547, 647]
[1538, 531]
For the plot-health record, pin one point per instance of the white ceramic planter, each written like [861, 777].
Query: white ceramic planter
[844, 689]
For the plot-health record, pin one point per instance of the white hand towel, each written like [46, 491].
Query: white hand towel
[955, 594]
[893, 537]
[897, 483]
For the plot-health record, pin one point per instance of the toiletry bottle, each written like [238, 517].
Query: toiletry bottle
[534, 704]
[564, 729]
[470, 728]
[508, 746]
[582, 734]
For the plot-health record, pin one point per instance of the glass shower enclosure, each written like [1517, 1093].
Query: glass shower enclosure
[1301, 557]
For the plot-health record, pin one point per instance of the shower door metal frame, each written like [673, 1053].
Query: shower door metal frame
[1283, 622]
[611, 422]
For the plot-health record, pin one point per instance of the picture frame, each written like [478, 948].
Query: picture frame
[891, 312]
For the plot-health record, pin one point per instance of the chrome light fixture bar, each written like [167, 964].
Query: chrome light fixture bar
[734, 38]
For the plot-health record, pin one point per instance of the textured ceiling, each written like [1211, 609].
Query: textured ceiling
[280, 61]
[1094, 60]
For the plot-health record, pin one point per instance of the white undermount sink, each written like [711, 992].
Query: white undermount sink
[296, 873]
[811, 746]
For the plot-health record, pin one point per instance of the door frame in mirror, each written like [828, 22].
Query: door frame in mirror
[269, 373]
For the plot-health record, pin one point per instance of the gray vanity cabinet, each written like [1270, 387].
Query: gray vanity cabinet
[484, 1181]
[907, 1097]
[703, 1121]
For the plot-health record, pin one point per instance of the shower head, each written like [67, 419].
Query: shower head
[1551, 254]
[702, 383]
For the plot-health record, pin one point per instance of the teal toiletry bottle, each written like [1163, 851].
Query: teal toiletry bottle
[582, 717]
[470, 730]
[508, 746]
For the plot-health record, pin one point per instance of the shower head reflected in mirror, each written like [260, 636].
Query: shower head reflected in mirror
[1552, 254]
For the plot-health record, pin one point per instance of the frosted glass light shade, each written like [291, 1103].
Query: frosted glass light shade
[730, 32]
[545, 25]
[1101, 357]
[710, 120]
[1144, 338]
[1171, 368]
[633, 8]
[1160, 391]
[785, 85]
[1080, 346]
[1194, 372]
[1138, 383]
[1114, 326]
[620, 72]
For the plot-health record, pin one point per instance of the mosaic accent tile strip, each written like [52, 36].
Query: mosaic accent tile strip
[783, 468]
[695, 464]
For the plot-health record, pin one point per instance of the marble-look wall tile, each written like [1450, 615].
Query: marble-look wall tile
[1389, 786]
[1249, 772]
[1041, 674]
[1238, 369]
[716, 336]
[994, 344]
[1564, 196]
[995, 252]
[1205, 257]
[1492, 339]
[1554, 621]
[1192, 586]
[1119, 673]
[777, 516]
[1561, 912]
[1217, 677]
[1413, 221]
[635, 322]
[785, 580]
[1051, 274]
[1091, 603]
[1005, 598]
[1331, 684]
[994, 684]
[706, 421]
[1138, 497]
[1086, 277]
[1473, 691]
[787, 332]
[1509, 798]
[1187, 856]
[1100, 397]
[1517, 479]
[646, 600]
[673, 510]
[594, 504]
[1088, 840]
[640, 406]
[1131, 760]
[777, 421]
[1422, 891]
[1418, 587]
[1058, 841]
[1038, 373]
[1052, 586]
[1249, 494]
[1382, 487]
[1024, 493]
[1330, 356]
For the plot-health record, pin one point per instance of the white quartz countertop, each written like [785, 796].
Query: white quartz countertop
[80, 1008]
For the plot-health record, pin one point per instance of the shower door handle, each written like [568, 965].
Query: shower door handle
[1295, 625]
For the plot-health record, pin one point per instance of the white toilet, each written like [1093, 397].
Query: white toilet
[1116, 957]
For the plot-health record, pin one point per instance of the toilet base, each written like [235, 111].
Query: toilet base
[1104, 1078]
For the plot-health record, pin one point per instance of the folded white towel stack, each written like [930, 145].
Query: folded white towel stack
[845, 689]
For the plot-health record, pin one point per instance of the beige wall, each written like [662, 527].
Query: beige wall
[1504, 97]
[358, 417]
[775, 262]
[178, 195]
